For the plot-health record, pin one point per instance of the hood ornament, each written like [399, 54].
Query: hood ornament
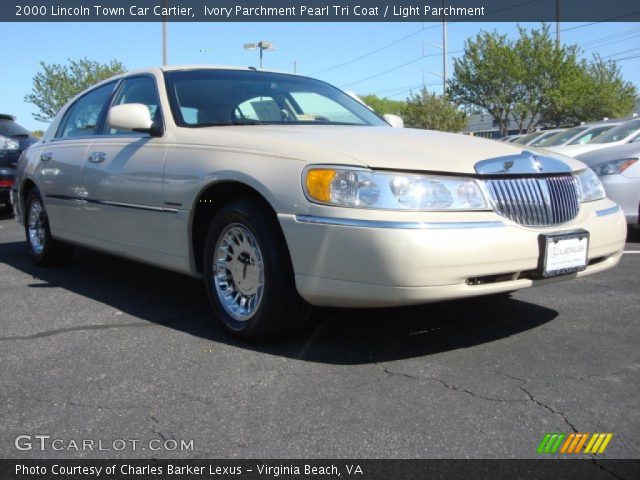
[525, 163]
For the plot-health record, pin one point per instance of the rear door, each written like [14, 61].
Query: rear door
[60, 161]
[123, 174]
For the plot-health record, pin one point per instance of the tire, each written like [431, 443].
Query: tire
[43, 249]
[251, 288]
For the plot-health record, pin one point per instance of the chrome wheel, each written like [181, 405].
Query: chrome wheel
[238, 272]
[36, 226]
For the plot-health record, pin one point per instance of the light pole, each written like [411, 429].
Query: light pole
[164, 35]
[558, 23]
[444, 51]
[262, 45]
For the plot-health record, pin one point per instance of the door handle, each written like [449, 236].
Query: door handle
[46, 156]
[97, 157]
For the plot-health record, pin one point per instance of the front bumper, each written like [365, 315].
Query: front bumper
[371, 263]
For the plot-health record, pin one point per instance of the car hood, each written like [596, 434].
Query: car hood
[631, 150]
[374, 147]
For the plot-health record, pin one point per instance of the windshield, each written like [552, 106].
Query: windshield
[561, 138]
[538, 141]
[527, 138]
[589, 135]
[208, 97]
[618, 133]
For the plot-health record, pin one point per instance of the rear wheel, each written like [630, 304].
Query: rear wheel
[41, 246]
[249, 276]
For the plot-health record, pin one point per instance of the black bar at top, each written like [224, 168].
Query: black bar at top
[320, 11]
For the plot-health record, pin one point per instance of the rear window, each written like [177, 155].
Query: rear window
[9, 128]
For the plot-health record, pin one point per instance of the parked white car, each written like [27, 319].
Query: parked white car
[624, 133]
[577, 135]
[283, 192]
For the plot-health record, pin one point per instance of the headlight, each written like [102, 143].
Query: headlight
[590, 186]
[7, 143]
[391, 190]
[613, 167]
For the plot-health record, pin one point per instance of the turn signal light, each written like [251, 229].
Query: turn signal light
[319, 184]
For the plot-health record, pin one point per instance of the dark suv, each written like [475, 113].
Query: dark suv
[13, 140]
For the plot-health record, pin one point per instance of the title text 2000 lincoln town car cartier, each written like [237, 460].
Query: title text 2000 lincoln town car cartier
[283, 192]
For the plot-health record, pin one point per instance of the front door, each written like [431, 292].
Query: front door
[122, 175]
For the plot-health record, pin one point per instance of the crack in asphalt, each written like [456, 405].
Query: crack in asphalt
[386, 370]
[102, 326]
[87, 405]
[58, 331]
[533, 399]
[530, 397]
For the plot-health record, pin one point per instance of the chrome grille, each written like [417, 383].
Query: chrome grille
[535, 201]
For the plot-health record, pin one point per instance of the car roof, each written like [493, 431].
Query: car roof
[613, 123]
[6, 116]
[173, 68]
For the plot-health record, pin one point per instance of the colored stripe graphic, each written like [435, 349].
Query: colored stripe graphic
[598, 443]
[550, 443]
[581, 443]
[573, 443]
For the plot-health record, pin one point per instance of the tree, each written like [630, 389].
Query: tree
[535, 81]
[433, 112]
[597, 90]
[485, 77]
[383, 105]
[57, 84]
[541, 66]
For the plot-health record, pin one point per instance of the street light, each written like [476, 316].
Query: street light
[262, 45]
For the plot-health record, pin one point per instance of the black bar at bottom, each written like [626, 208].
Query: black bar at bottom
[319, 469]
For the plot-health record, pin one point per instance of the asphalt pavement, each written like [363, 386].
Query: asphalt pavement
[107, 349]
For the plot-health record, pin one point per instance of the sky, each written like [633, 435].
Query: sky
[388, 59]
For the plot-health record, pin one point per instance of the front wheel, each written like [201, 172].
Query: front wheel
[41, 246]
[249, 276]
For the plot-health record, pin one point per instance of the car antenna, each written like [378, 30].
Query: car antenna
[253, 68]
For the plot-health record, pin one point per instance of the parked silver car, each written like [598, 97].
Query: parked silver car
[577, 135]
[627, 132]
[283, 192]
[619, 170]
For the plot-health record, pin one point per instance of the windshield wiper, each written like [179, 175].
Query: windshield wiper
[222, 124]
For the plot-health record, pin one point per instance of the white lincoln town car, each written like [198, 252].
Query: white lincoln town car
[283, 192]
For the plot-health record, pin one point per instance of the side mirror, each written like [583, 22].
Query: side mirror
[394, 120]
[132, 116]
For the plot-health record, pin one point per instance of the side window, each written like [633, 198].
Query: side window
[83, 116]
[138, 90]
